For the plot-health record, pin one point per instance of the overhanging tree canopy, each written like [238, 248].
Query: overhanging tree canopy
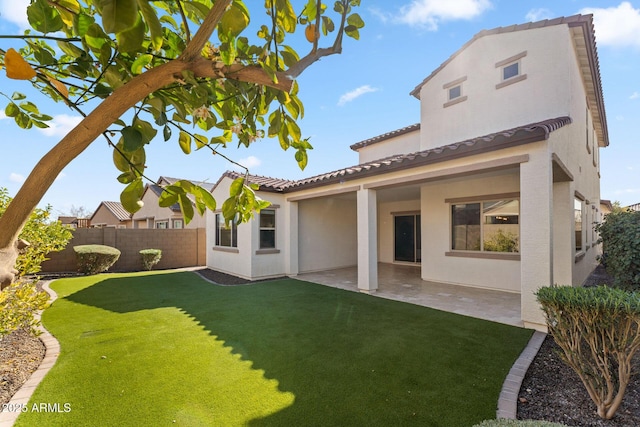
[173, 64]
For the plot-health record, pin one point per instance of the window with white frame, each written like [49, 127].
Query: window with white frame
[454, 91]
[486, 226]
[178, 223]
[162, 224]
[226, 236]
[511, 70]
[577, 214]
[267, 229]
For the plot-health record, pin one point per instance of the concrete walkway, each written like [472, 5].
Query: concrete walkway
[403, 283]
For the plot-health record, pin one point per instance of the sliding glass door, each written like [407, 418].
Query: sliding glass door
[407, 242]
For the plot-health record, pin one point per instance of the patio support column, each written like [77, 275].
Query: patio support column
[291, 240]
[536, 232]
[563, 234]
[367, 240]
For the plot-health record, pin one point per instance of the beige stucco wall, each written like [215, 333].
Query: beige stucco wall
[104, 216]
[436, 235]
[406, 143]
[544, 94]
[327, 233]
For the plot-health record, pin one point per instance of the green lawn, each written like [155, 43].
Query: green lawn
[168, 348]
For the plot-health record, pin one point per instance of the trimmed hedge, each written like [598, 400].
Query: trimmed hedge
[93, 259]
[504, 422]
[150, 257]
[598, 330]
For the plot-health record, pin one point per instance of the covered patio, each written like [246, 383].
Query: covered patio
[403, 283]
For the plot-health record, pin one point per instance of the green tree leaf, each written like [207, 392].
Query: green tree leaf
[132, 195]
[132, 139]
[185, 142]
[130, 40]
[118, 15]
[43, 17]
[236, 187]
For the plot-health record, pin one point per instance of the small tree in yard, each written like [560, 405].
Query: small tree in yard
[42, 235]
[598, 330]
[104, 58]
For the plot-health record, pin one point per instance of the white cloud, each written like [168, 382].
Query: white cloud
[429, 13]
[635, 95]
[16, 177]
[250, 162]
[616, 26]
[3, 115]
[60, 176]
[384, 17]
[356, 93]
[15, 11]
[538, 14]
[61, 125]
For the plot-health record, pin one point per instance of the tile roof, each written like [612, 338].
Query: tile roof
[118, 210]
[266, 183]
[586, 53]
[385, 136]
[507, 138]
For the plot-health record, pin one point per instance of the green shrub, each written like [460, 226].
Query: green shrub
[501, 241]
[93, 259]
[150, 257]
[620, 236]
[598, 330]
[19, 304]
[42, 234]
[504, 422]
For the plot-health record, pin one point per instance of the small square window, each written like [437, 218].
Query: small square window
[510, 71]
[455, 92]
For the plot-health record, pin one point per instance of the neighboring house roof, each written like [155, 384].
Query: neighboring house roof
[116, 209]
[275, 185]
[206, 185]
[507, 138]
[606, 203]
[635, 207]
[385, 136]
[585, 42]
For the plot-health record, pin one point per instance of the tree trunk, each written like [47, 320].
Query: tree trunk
[74, 143]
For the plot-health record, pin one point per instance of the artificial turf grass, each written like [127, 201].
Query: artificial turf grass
[276, 353]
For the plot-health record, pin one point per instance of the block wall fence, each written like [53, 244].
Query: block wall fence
[180, 248]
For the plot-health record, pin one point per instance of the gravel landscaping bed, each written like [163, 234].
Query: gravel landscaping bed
[20, 355]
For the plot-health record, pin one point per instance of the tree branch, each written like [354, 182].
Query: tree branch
[316, 54]
[76, 141]
[194, 48]
[203, 67]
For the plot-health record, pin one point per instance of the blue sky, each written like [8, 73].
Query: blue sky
[359, 94]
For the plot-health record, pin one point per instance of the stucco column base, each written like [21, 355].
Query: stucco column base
[368, 291]
[537, 326]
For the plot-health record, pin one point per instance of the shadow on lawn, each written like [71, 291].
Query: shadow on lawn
[349, 358]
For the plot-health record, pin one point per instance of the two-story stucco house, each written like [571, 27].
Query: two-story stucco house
[497, 187]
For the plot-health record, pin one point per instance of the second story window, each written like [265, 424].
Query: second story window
[511, 70]
[454, 91]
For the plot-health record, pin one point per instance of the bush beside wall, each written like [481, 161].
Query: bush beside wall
[93, 259]
[620, 235]
[150, 257]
